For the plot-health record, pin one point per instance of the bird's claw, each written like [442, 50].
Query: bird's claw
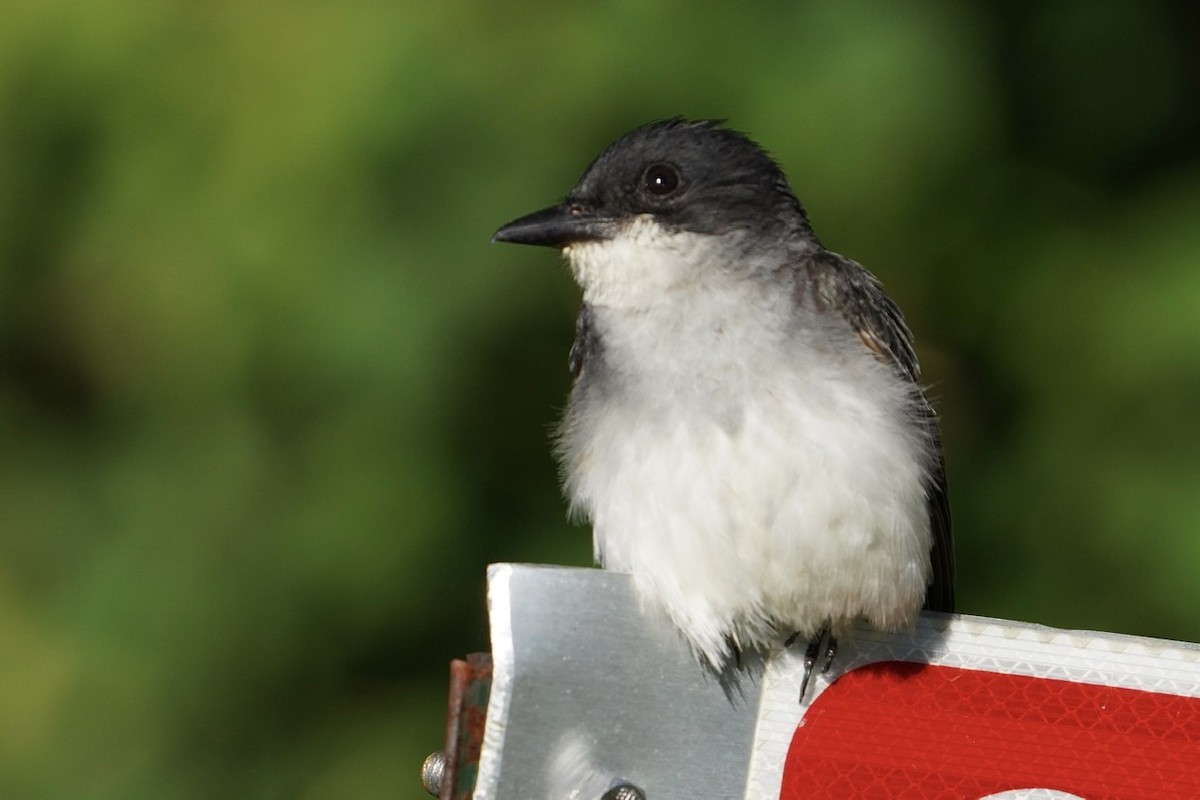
[811, 653]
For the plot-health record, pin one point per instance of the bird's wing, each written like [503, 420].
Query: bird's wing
[839, 283]
[585, 344]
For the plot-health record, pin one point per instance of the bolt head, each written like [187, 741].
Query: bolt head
[624, 791]
[432, 773]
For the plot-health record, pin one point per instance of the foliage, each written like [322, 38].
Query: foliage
[269, 401]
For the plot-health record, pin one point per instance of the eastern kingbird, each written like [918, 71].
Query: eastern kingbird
[747, 430]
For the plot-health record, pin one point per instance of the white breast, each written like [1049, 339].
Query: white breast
[753, 466]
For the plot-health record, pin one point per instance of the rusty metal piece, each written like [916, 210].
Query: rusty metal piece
[470, 686]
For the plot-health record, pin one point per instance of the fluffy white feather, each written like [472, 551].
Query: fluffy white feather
[753, 466]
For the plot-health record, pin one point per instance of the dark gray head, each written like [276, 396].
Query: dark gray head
[689, 176]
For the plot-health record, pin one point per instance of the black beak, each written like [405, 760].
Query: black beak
[557, 226]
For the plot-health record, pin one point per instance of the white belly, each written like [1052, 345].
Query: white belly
[751, 498]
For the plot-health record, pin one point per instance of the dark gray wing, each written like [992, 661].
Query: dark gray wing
[841, 284]
[586, 344]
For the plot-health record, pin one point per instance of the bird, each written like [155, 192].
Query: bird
[746, 431]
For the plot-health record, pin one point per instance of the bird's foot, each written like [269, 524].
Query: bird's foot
[812, 652]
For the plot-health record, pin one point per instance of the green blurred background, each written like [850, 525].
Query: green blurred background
[270, 401]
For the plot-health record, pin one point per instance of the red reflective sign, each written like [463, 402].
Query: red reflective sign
[903, 730]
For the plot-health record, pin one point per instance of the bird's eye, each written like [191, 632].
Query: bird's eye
[660, 179]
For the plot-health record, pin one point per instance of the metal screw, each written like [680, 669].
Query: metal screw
[624, 791]
[432, 772]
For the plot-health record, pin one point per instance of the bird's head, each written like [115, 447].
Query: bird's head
[691, 176]
[662, 201]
